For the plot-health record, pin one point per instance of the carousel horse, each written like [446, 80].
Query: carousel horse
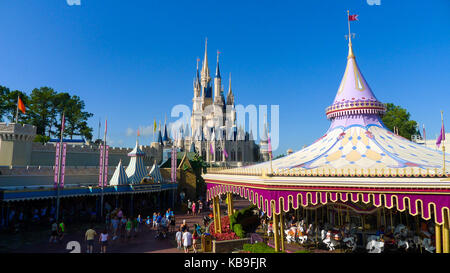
[350, 242]
[290, 234]
[374, 245]
[427, 244]
[332, 240]
[301, 234]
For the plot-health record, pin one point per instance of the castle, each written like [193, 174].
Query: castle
[213, 132]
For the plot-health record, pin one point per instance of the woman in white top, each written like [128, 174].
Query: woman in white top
[103, 239]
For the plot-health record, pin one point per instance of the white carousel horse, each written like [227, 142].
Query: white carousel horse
[269, 230]
[332, 240]
[374, 245]
[302, 235]
[290, 234]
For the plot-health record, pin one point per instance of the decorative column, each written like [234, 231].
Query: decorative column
[445, 236]
[275, 230]
[438, 234]
[215, 214]
[219, 224]
[282, 226]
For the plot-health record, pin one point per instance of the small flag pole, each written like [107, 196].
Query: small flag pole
[349, 33]
[17, 108]
[105, 175]
[443, 143]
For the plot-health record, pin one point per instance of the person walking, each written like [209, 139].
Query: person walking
[103, 240]
[155, 216]
[193, 208]
[194, 240]
[89, 237]
[114, 227]
[54, 233]
[129, 227]
[200, 206]
[187, 240]
[189, 206]
[178, 237]
[62, 230]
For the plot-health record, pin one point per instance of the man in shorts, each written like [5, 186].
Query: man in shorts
[89, 237]
[187, 240]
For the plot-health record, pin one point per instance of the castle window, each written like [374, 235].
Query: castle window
[239, 155]
[233, 155]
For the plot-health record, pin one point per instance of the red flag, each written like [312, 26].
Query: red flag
[138, 132]
[21, 105]
[353, 17]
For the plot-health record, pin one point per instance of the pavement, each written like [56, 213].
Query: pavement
[145, 241]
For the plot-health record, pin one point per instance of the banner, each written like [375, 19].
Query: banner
[106, 167]
[56, 165]
[100, 177]
[174, 165]
[63, 165]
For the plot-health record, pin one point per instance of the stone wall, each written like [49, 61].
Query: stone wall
[229, 245]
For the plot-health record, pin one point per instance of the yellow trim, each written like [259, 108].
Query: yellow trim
[394, 200]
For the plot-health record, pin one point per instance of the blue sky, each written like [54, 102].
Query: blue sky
[132, 61]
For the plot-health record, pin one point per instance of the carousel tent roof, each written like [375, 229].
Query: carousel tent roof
[155, 173]
[119, 177]
[136, 169]
[357, 138]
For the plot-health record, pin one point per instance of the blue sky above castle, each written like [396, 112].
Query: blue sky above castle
[133, 61]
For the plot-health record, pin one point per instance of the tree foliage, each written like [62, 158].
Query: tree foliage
[398, 117]
[44, 108]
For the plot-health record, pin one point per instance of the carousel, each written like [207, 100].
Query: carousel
[357, 185]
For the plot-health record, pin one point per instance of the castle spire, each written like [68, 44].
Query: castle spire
[205, 69]
[217, 68]
[230, 96]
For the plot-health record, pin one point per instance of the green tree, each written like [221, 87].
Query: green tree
[8, 105]
[76, 118]
[41, 109]
[398, 117]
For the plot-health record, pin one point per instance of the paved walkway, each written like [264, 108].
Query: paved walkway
[145, 241]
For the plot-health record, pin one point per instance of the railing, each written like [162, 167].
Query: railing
[332, 172]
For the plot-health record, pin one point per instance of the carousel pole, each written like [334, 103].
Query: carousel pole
[282, 226]
[392, 224]
[275, 230]
[445, 235]
[218, 215]
[316, 226]
[215, 214]
[438, 234]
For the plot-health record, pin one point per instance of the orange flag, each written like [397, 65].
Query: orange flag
[21, 105]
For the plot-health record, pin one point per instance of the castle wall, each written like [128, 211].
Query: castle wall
[88, 155]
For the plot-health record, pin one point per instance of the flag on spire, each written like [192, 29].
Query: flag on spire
[353, 17]
[225, 152]
[211, 148]
[154, 126]
[441, 136]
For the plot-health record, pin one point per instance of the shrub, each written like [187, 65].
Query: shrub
[258, 248]
[239, 231]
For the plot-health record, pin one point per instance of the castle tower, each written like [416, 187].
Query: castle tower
[16, 143]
